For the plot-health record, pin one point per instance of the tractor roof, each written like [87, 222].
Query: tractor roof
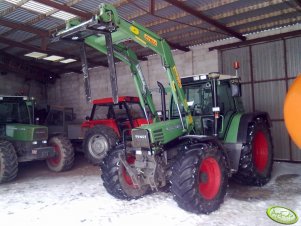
[109, 100]
[205, 77]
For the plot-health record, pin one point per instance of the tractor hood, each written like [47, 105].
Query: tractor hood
[25, 132]
[161, 133]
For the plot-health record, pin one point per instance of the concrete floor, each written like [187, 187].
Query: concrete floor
[77, 197]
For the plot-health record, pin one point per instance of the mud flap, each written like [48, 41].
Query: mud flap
[234, 152]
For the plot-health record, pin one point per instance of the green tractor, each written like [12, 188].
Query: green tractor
[205, 139]
[22, 141]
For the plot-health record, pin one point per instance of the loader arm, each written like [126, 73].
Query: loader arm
[93, 33]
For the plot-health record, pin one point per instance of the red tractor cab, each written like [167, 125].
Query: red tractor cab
[105, 126]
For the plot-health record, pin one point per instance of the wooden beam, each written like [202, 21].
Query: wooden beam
[205, 18]
[152, 6]
[66, 8]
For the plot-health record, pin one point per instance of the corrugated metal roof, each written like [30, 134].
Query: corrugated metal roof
[4, 29]
[38, 7]
[20, 15]
[20, 36]
[2, 45]
[14, 51]
[49, 23]
[89, 6]
[4, 6]
[169, 21]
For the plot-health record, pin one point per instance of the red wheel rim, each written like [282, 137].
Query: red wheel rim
[260, 151]
[127, 178]
[209, 178]
[56, 160]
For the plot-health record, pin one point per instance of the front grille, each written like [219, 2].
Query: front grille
[158, 135]
[40, 134]
[140, 138]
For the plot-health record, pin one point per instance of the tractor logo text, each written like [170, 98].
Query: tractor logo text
[150, 40]
[140, 136]
[282, 215]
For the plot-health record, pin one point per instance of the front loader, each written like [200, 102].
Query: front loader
[192, 152]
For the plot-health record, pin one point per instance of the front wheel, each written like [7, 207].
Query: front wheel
[199, 179]
[8, 162]
[116, 179]
[256, 159]
[64, 158]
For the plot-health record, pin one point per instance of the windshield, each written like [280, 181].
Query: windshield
[117, 111]
[14, 112]
[198, 97]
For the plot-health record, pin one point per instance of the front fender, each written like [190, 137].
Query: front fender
[201, 139]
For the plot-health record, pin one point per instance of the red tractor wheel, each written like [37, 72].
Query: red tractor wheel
[209, 178]
[117, 180]
[199, 178]
[64, 154]
[256, 161]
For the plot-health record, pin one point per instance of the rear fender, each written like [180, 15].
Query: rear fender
[106, 122]
[234, 149]
[244, 124]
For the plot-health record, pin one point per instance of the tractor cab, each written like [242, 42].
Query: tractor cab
[199, 91]
[124, 115]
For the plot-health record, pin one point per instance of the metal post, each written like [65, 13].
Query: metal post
[216, 113]
[163, 102]
[85, 70]
[111, 62]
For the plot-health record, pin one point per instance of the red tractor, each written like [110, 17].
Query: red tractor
[106, 124]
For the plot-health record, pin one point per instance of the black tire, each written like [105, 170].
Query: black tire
[116, 180]
[97, 142]
[64, 159]
[8, 162]
[198, 163]
[256, 161]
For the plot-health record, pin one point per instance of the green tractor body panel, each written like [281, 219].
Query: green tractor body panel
[161, 133]
[24, 132]
[231, 136]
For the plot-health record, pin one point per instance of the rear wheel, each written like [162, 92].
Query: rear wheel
[64, 158]
[8, 162]
[199, 179]
[116, 179]
[256, 159]
[98, 141]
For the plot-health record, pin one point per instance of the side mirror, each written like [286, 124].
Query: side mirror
[87, 118]
[236, 89]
